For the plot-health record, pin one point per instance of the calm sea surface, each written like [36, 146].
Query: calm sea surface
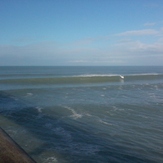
[84, 114]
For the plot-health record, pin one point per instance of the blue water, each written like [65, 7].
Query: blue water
[84, 114]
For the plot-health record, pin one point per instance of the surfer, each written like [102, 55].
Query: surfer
[122, 77]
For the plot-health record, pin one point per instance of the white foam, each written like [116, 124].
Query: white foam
[29, 94]
[117, 109]
[39, 109]
[104, 88]
[74, 115]
[103, 122]
[156, 87]
[51, 160]
[89, 115]
[144, 74]
[96, 75]
[108, 112]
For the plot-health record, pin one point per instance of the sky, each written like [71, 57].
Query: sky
[81, 32]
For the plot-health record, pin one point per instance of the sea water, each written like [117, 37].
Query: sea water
[84, 114]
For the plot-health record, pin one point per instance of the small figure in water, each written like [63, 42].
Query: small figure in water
[122, 77]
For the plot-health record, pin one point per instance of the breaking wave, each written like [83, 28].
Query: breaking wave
[81, 79]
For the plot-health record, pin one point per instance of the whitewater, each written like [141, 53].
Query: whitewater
[84, 114]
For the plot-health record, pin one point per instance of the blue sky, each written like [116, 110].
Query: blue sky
[81, 32]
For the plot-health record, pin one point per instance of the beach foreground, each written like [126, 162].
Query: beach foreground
[11, 152]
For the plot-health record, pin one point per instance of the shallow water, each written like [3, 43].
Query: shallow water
[84, 114]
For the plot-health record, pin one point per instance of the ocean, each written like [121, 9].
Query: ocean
[84, 114]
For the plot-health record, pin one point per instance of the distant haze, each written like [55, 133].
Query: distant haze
[81, 32]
